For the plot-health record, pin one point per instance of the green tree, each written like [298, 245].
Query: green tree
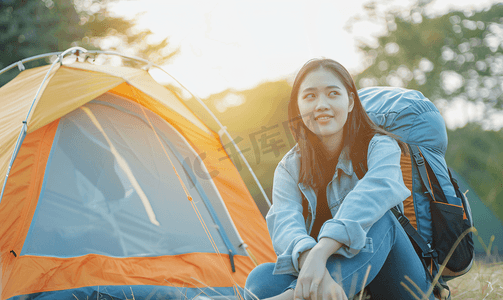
[31, 27]
[458, 54]
[476, 155]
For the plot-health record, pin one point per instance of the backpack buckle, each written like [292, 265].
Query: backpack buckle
[403, 220]
[419, 159]
[431, 253]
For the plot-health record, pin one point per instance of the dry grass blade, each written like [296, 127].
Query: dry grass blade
[354, 281]
[489, 284]
[198, 295]
[201, 292]
[132, 294]
[416, 286]
[237, 292]
[253, 258]
[487, 249]
[152, 293]
[442, 267]
[251, 294]
[209, 287]
[338, 272]
[185, 295]
[409, 290]
[364, 282]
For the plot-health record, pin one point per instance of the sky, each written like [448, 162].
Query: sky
[239, 44]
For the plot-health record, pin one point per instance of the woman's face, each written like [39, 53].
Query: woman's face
[324, 103]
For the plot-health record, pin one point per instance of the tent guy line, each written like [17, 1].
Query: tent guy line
[189, 198]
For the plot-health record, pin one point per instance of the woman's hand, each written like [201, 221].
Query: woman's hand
[310, 276]
[313, 269]
[329, 289]
[326, 289]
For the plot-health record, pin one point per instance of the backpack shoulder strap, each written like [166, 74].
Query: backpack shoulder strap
[428, 176]
[421, 167]
[413, 234]
[361, 169]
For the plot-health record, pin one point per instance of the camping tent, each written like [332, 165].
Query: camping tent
[112, 187]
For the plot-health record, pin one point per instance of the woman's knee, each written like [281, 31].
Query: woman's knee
[256, 279]
[260, 273]
[263, 284]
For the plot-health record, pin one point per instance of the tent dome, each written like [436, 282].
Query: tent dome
[112, 186]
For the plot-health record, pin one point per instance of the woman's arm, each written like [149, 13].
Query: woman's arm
[323, 249]
[286, 223]
[379, 190]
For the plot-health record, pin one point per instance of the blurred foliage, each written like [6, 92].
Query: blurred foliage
[476, 155]
[458, 54]
[259, 128]
[32, 27]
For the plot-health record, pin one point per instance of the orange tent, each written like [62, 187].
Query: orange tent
[112, 186]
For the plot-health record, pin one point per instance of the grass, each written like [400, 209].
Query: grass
[484, 281]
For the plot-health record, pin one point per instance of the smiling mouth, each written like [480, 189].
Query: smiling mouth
[324, 118]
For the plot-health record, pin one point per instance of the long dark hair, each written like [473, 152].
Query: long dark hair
[357, 132]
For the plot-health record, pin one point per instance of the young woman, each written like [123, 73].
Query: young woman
[328, 227]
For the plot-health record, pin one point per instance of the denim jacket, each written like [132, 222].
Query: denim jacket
[355, 204]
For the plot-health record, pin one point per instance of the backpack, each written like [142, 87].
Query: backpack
[437, 212]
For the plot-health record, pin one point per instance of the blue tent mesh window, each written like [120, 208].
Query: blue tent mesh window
[100, 181]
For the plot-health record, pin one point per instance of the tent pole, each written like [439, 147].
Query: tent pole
[32, 58]
[222, 127]
[83, 50]
[59, 59]
[24, 129]
[19, 141]
[224, 130]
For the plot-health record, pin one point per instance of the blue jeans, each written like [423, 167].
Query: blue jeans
[391, 257]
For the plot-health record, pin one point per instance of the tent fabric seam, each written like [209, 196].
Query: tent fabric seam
[128, 80]
[17, 147]
[231, 283]
[30, 193]
[40, 92]
[42, 187]
[208, 132]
